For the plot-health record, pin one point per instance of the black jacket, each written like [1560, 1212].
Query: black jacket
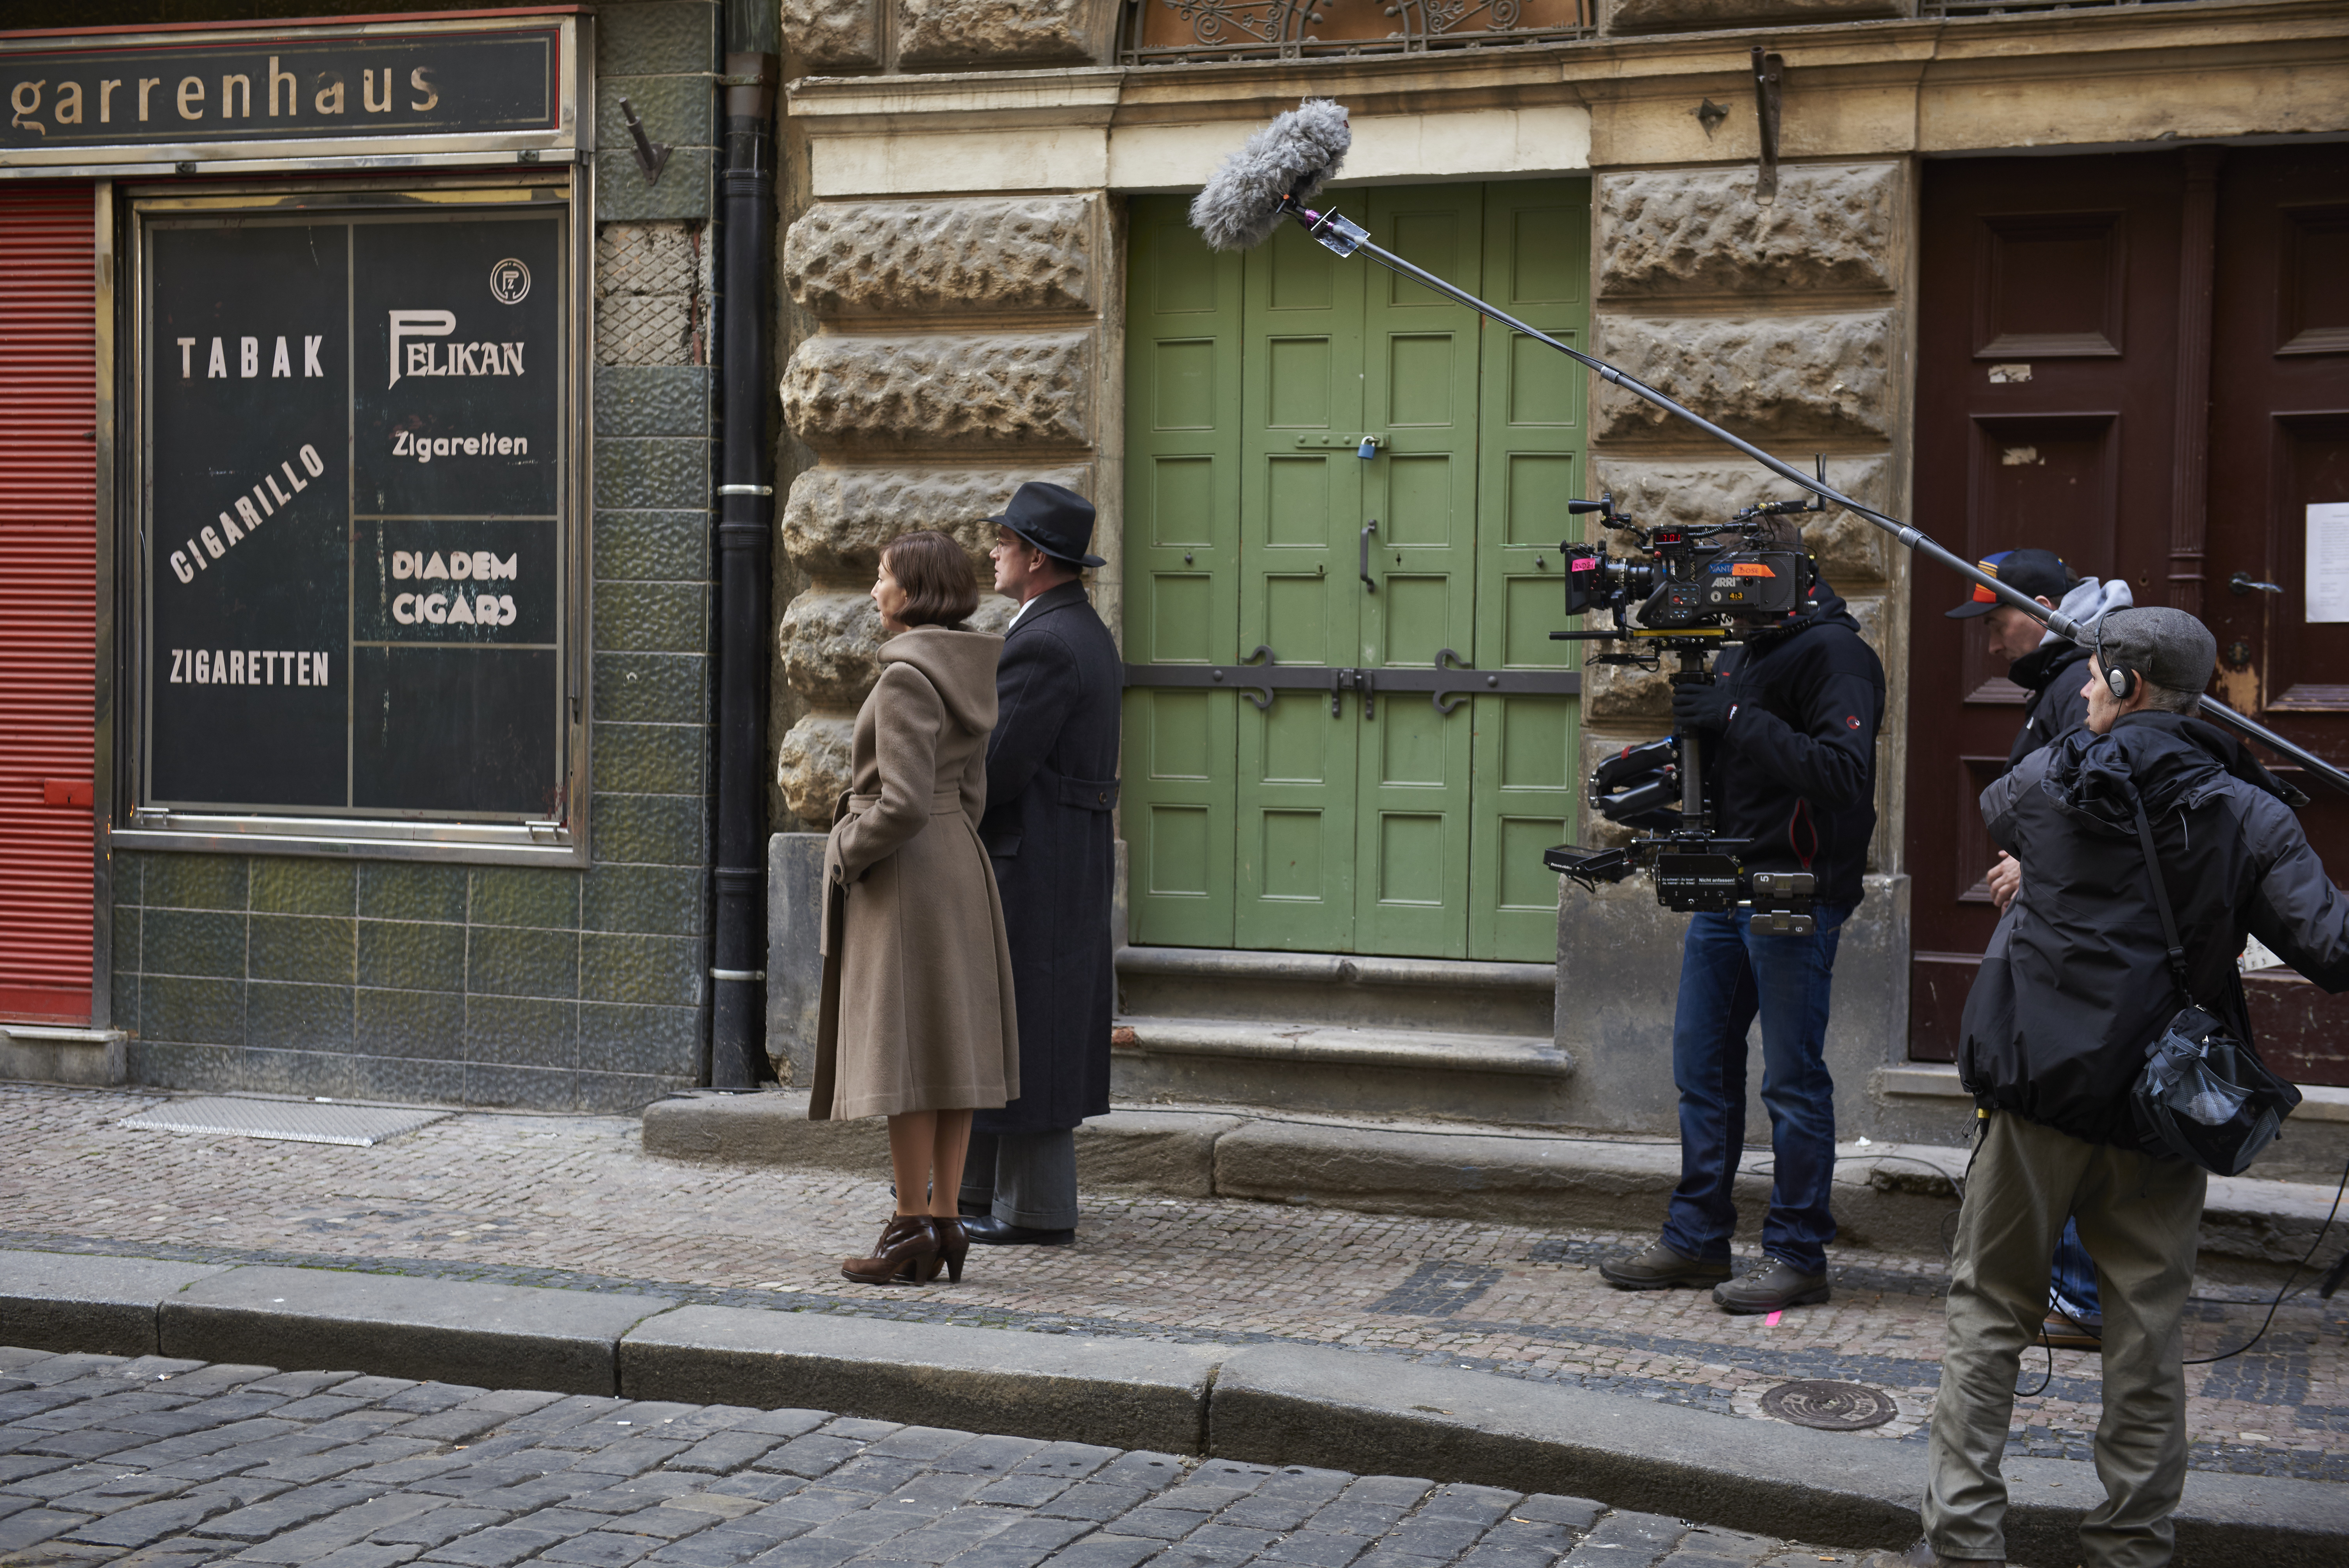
[1795, 772]
[2053, 674]
[2076, 983]
[1052, 785]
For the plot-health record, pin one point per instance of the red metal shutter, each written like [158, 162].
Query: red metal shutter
[48, 598]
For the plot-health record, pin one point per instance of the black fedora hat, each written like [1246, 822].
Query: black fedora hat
[1053, 517]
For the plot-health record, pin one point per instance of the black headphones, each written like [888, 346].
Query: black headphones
[2119, 679]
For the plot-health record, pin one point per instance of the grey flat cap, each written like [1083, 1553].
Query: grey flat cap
[2169, 647]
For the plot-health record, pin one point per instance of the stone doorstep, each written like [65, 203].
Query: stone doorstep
[1337, 1045]
[43, 1053]
[1267, 1404]
[1890, 1197]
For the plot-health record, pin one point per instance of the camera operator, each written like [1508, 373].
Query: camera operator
[2075, 986]
[2052, 670]
[1789, 733]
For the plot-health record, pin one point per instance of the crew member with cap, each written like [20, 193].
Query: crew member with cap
[2052, 672]
[2081, 976]
[1052, 786]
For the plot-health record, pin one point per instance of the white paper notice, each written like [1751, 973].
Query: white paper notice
[2328, 561]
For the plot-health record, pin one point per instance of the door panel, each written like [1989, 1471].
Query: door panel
[2046, 417]
[1524, 793]
[1301, 367]
[1182, 543]
[1388, 825]
[1422, 395]
[2280, 444]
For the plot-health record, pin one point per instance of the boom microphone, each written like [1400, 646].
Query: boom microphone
[1287, 162]
[1284, 166]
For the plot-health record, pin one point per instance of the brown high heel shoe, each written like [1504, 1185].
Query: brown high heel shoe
[954, 1246]
[907, 1254]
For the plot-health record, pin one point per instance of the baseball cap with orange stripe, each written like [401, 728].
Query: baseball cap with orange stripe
[2035, 573]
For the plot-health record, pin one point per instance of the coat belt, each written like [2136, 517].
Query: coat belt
[943, 803]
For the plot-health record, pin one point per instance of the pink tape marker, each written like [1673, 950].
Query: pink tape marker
[1772, 1321]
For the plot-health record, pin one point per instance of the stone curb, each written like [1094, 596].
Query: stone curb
[1272, 1403]
[395, 1326]
[1124, 1394]
[1890, 1197]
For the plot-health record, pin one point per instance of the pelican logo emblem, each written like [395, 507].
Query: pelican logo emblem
[509, 281]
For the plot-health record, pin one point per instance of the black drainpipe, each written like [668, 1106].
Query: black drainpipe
[746, 506]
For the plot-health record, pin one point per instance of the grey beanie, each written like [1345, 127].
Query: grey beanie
[2169, 647]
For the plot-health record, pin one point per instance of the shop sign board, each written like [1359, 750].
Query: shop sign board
[316, 95]
[357, 469]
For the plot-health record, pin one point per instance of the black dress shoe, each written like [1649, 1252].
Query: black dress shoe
[995, 1232]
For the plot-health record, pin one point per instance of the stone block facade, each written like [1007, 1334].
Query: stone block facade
[958, 353]
[553, 989]
[842, 36]
[1783, 322]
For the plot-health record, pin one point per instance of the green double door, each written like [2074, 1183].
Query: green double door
[1325, 822]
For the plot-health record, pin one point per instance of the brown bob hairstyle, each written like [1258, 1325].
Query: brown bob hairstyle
[940, 589]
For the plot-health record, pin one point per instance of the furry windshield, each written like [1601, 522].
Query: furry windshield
[1295, 154]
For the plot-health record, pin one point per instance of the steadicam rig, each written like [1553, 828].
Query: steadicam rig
[1276, 177]
[1685, 591]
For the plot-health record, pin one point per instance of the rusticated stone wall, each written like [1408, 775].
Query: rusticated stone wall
[1783, 322]
[958, 351]
[840, 37]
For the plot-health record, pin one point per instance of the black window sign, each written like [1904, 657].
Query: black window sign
[434, 83]
[355, 573]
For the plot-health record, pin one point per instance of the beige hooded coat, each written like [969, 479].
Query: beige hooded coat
[918, 1000]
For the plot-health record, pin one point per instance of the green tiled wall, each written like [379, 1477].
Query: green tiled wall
[501, 985]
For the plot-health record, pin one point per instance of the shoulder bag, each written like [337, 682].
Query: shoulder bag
[2204, 1095]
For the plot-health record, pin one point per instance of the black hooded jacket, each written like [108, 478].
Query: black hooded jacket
[1795, 772]
[2053, 674]
[2077, 982]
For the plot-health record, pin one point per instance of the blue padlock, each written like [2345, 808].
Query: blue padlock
[1368, 450]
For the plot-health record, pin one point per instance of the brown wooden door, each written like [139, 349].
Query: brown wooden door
[2140, 362]
[2280, 443]
[2046, 401]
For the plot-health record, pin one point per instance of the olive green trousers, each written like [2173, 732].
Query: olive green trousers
[2140, 1218]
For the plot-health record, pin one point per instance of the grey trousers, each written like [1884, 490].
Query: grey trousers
[1023, 1178]
[2140, 1218]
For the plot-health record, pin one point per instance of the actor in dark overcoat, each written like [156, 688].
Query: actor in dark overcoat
[1051, 787]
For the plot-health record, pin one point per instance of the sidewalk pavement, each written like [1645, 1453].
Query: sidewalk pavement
[573, 1201]
[152, 1462]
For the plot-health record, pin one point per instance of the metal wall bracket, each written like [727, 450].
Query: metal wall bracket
[1769, 81]
[652, 156]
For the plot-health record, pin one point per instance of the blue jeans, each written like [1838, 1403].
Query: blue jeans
[2072, 1280]
[1728, 977]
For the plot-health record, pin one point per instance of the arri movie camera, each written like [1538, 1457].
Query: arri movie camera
[1687, 593]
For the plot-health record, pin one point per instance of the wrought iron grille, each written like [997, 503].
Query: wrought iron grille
[1179, 32]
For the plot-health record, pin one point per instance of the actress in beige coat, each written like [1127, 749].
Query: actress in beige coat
[917, 1021]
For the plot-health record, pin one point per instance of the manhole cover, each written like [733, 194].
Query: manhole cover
[1830, 1406]
[297, 1121]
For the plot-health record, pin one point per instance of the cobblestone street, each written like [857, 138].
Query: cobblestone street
[561, 1199]
[172, 1464]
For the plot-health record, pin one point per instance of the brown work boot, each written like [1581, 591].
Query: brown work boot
[1659, 1267]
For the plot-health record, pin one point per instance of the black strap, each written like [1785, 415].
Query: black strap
[2161, 901]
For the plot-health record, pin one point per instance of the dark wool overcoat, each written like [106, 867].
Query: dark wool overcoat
[1051, 784]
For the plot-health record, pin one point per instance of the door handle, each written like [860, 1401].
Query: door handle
[1364, 569]
[2242, 582]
